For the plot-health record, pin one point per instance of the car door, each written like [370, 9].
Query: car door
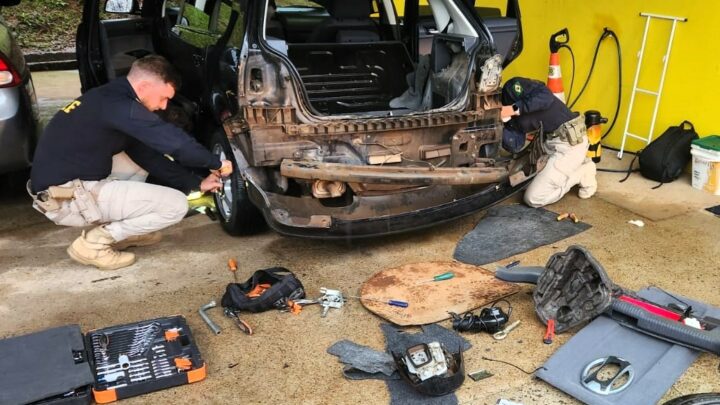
[188, 44]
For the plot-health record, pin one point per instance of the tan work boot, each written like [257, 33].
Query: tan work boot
[94, 248]
[588, 182]
[139, 240]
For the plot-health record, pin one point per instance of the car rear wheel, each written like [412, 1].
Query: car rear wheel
[238, 215]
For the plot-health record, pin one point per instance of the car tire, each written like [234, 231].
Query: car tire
[710, 398]
[237, 214]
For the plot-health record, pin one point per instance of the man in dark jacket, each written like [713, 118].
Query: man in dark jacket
[527, 105]
[90, 165]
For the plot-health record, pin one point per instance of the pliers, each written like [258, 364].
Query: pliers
[242, 325]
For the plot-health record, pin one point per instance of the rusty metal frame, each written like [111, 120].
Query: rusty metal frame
[392, 175]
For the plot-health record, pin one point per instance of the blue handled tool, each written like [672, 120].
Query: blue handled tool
[395, 303]
[439, 277]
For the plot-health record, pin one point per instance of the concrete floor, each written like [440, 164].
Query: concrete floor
[285, 360]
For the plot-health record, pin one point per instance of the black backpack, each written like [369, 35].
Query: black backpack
[665, 158]
[284, 286]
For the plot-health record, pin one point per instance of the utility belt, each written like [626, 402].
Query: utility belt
[571, 132]
[73, 192]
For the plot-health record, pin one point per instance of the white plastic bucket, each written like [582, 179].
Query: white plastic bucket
[705, 169]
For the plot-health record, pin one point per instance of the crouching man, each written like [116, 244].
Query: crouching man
[528, 104]
[92, 160]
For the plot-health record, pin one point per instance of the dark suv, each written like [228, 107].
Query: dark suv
[345, 118]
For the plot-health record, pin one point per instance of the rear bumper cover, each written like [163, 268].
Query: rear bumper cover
[328, 226]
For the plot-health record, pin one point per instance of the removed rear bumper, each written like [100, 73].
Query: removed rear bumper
[306, 217]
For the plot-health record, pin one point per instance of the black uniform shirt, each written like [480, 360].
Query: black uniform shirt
[81, 139]
[536, 103]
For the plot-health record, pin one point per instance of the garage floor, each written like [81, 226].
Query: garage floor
[285, 361]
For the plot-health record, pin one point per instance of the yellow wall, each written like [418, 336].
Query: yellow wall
[692, 83]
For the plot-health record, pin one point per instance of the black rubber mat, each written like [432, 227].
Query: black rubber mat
[512, 229]
[715, 210]
[42, 365]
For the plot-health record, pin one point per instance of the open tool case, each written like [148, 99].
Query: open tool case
[142, 357]
[63, 366]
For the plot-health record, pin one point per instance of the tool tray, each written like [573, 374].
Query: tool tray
[142, 357]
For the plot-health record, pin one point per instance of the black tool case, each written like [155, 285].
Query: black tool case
[63, 366]
[142, 357]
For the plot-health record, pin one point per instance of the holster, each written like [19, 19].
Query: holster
[86, 203]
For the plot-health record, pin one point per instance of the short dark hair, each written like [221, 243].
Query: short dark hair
[160, 67]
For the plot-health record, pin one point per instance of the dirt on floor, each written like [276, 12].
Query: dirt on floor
[285, 361]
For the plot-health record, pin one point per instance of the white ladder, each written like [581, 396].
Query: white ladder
[637, 89]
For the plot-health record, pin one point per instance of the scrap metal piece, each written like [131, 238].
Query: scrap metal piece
[406, 175]
[330, 299]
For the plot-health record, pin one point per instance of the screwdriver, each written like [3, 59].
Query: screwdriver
[232, 265]
[395, 303]
[439, 277]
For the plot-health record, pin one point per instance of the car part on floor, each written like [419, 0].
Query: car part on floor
[471, 288]
[707, 398]
[213, 326]
[607, 385]
[509, 230]
[362, 362]
[573, 288]
[491, 319]
[657, 363]
[430, 368]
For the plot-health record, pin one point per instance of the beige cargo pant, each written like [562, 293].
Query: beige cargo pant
[129, 206]
[564, 169]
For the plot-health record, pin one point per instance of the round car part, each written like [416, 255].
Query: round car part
[612, 384]
[430, 369]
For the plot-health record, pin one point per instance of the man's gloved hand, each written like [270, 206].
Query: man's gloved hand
[507, 112]
[211, 183]
[225, 170]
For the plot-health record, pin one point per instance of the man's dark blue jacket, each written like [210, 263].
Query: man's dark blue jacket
[81, 139]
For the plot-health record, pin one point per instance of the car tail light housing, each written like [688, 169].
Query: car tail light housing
[9, 77]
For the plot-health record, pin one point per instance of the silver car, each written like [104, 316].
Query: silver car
[18, 104]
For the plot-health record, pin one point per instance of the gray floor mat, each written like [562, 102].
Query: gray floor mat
[657, 363]
[512, 229]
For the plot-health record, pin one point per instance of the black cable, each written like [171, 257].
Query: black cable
[606, 33]
[609, 32]
[517, 367]
[671, 296]
[572, 78]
